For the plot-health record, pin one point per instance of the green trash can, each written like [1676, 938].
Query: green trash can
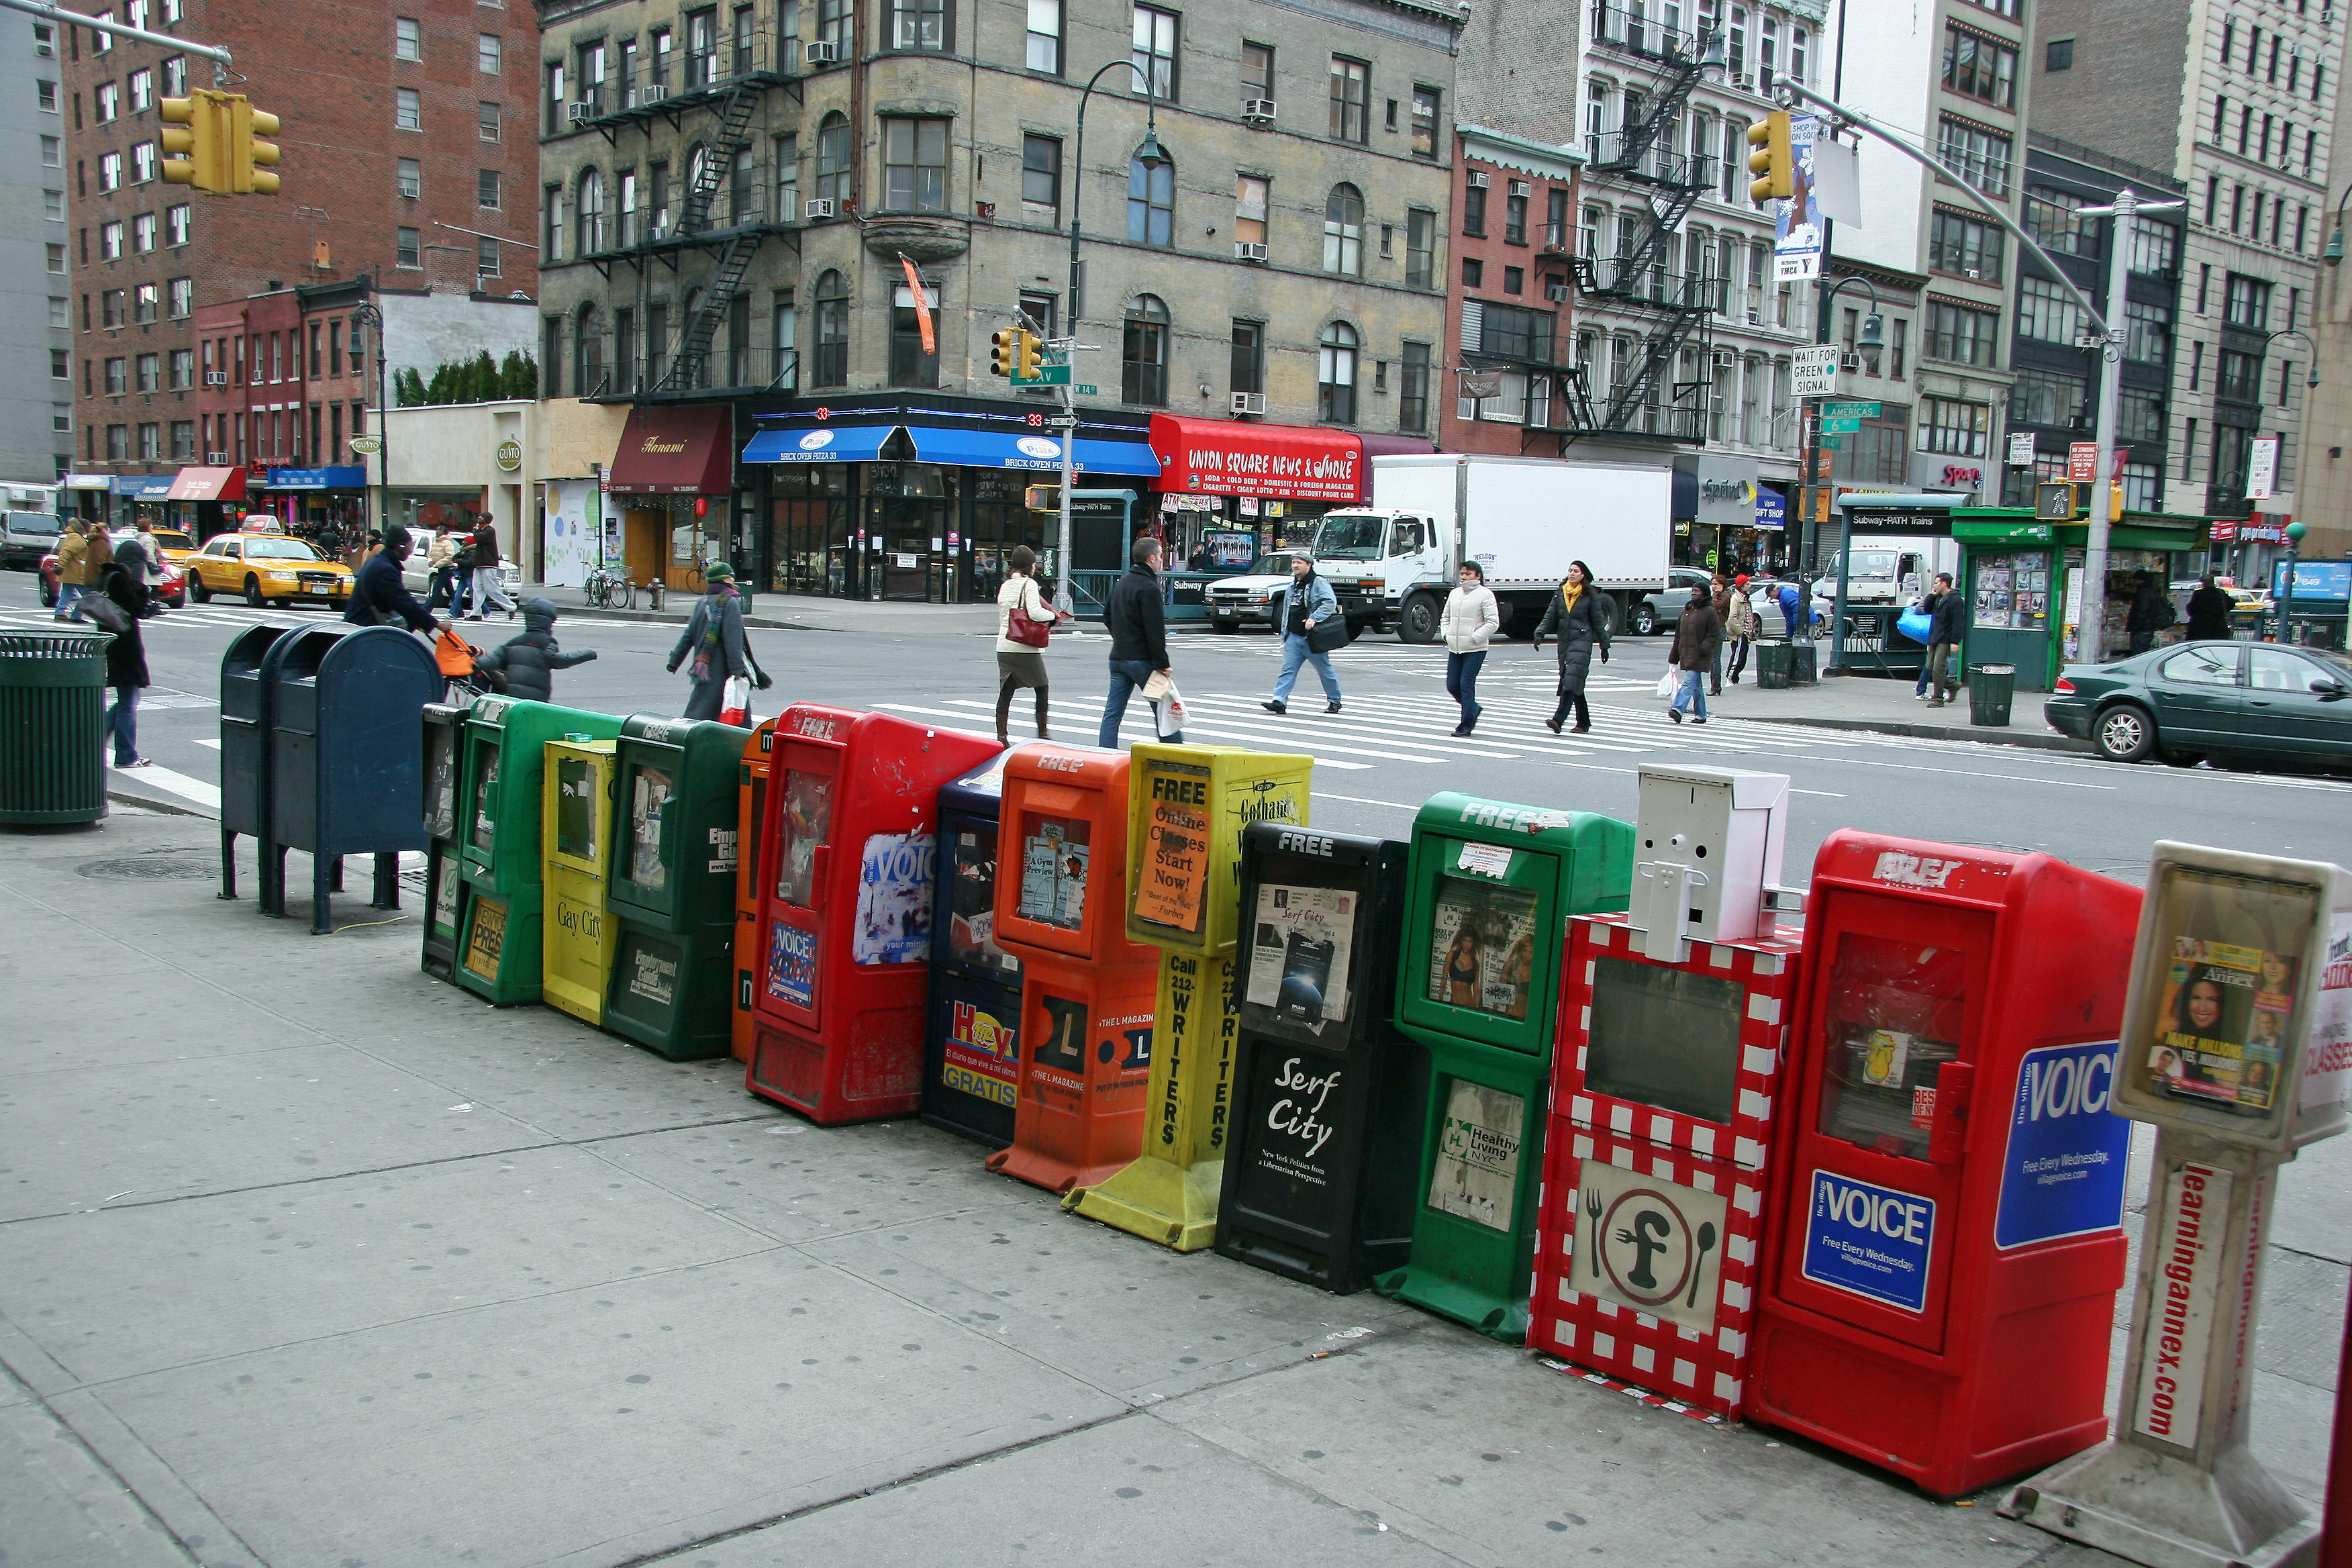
[1990, 687]
[1773, 660]
[52, 727]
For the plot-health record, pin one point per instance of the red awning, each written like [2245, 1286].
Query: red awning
[688, 450]
[1286, 462]
[209, 484]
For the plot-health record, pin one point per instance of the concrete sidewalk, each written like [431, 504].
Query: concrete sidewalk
[1887, 707]
[790, 612]
[306, 1258]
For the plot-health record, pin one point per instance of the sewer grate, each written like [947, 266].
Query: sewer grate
[149, 868]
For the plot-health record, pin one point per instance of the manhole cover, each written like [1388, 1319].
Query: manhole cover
[149, 868]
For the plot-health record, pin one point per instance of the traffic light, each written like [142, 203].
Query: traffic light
[1042, 498]
[1029, 365]
[208, 142]
[1773, 162]
[247, 125]
[1005, 351]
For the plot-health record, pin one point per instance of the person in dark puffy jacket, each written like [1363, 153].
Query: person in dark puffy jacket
[528, 663]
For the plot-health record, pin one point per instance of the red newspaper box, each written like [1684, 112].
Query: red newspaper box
[1087, 993]
[751, 876]
[1665, 1085]
[1945, 1241]
[845, 909]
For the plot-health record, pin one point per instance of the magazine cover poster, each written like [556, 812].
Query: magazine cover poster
[1482, 947]
[1299, 954]
[1054, 858]
[2227, 1013]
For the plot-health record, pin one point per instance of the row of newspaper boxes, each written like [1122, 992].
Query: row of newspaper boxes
[1564, 1079]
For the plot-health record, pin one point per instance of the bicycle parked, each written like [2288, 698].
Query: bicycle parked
[608, 590]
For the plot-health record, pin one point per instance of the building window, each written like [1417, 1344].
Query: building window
[105, 102]
[831, 301]
[118, 376]
[1413, 390]
[143, 232]
[1961, 335]
[408, 247]
[45, 97]
[919, 25]
[150, 443]
[56, 254]
[909, 365]
[1954, 428]
[1978, 157]
[1962, 245]
[146, 300]
[2140, 417]
[2045, 312]
[1343, 231]
[489, 54]
[148, 369]
[487, 260]
[1258, 73]
[183, 440]
[176, 224]
[176, 77]
[589, 219]
[2246, 302]
[1977, 66]
[142, 163]
[1508, 332]
[2147, 336]
[2046, 397]
[915, 165]
[113, 307]
[1247, 373]
[2155, 248]
[1143, 355]
[486, 189]
[1335, 375]
[410, 177]
[142, 90]
[1474, 211]
[487, 119]
[180, 298]
[1157, 33]
[1474, 272]
[832, 162]
[2053, 219]
[1425, 101]
[2239, 380]
[551, 236]
[587, 353]
[1150, 203]
[1045, 42]
[1350, 98]
[832, 26]
[1420, 246]
[407, 39]
[408, 109]
[110, 171]
[110, 241]
[1249, 213]
[52, 153]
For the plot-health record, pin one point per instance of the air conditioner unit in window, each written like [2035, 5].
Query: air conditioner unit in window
[216, 460]
[215, 378]
[823, 52]
[1754, 316]
[1477, 179]
[1558, 293]
[653, 94]
[1260, 110]
[1244, 250]
[1850, 360]
[45, 48]
[1249, 402]
[1521, 187]
[1725, 358]
[817, 207]
[575, 112]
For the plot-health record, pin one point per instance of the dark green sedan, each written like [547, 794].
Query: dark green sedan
[2243, 704]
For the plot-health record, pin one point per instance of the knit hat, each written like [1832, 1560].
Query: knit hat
[718, 572]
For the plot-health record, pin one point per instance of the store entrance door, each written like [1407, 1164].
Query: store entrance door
[910, 568]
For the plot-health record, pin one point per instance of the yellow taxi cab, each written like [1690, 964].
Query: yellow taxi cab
[269, 569]
[173, 545]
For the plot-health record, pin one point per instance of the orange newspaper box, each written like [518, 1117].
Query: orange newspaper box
[751, 876]
[1086, 992]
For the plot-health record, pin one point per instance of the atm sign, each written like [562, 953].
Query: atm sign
[1871, 1240]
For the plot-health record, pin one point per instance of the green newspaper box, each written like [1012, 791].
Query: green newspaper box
[1489, 890]
[673, 886]
[445, 752]
[500, 943]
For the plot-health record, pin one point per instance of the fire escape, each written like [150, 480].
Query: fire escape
[722, 214]
[1645, 398]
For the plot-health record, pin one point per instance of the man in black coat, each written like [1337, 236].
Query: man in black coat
[528, 662]
[1944, 627]
[1138, 637]
[380, 595]
[2208, 611]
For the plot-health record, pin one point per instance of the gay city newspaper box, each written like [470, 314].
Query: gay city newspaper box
[1488, 892]
[1951, 1173]
[576, 821]
[1665, 1092]
[750, 877]
[445, 726]
[1087, 991]
[845, 920]
[502, 860]
[971, 1038]
[673, 886]
[1187, 807]
[1319, 1181]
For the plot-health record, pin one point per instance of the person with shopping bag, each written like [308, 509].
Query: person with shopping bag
[1699, 636]
[1139, 646]
[1024, 624]
[1308, 611]
[714, 640]
[1469, 623]
[1576, 616]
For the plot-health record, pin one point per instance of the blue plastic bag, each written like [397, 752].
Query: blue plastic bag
[1914, 623]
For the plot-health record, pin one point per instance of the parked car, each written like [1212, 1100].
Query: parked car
[2239, 704]
[1247, 600]
[1653, 612]
[26, 536]
[172, 589]
[269, 569]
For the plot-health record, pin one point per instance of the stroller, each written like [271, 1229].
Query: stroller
[458, 660]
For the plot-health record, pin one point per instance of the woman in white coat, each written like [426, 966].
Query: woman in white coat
[1470, 623]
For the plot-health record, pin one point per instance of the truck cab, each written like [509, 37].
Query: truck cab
[1892, 571]
[1371, 559]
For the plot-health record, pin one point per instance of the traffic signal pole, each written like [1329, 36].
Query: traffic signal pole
[222, 64]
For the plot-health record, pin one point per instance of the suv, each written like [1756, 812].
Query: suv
[26, 536]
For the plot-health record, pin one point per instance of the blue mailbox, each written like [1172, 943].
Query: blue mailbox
[246, 686]
[347, 754]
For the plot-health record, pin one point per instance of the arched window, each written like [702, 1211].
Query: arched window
[830, 365]
[1335, 375]
[1152, 201]
[588, 352]
[1343, 231]
[591, 224]
[1143, 368]
[833, 158]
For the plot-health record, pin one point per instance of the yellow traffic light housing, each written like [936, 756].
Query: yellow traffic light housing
[1773, 162]
[249, 124]
[1029, 364]
[1042, 498]
[208, 142]
[1003, 350]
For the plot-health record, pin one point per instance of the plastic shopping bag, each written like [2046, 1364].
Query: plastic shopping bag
[735, 704]
[1670, 683]
[1172, 715]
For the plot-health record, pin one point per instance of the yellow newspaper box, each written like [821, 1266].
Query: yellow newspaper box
[576, 839]
[1187, 807]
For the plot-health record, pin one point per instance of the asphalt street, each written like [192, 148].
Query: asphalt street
[1389, 750]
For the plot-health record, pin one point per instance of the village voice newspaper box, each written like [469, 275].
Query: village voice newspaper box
[2237, 1048]
[1086, 990]
[971, 1038]
[1489, 889]
[1945, 1240]
[846, 918]
[1328, 1093]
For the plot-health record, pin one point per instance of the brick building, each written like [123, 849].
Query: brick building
[1508, 298]
[408, 157]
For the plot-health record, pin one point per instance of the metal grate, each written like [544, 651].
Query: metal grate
[171, 868]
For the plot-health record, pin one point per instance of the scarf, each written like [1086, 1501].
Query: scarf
[1569, 594]
[708, 647]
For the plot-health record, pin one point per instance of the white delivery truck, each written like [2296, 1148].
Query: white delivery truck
[1889, 569]
[1521, 519]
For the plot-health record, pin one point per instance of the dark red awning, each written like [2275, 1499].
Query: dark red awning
[683, 450]
[209, 484]
[1286, 462]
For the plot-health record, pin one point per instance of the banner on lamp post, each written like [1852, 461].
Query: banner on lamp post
[2262, 467]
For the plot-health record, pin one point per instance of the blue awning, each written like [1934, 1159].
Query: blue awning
[819, 444]
[1038, 452]
[143, 487]
[335, 477]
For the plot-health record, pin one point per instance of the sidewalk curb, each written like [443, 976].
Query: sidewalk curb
[676, 617]
[1984, 737]
[157, 800]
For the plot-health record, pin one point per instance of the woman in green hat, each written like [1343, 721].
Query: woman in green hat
[714, 641]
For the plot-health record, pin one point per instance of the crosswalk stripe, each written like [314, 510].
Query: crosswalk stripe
[1192, 727]
[158, 777]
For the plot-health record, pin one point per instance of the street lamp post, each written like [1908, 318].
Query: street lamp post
[1873, 339]
[2311, 380]
[368, 314]
[2286, 588]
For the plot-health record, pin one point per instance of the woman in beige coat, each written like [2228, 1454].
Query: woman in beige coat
[1019, 664]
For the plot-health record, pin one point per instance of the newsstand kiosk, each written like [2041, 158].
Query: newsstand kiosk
[1186, 808]
[1328, 1093]
[1490, 886]
[2237, 1048]
[672, 888]
[1945, 1241]
[1664, 1089]
[972, 1035]
[751, 876]
[845, 920]
[1087, 991]
[576, 822]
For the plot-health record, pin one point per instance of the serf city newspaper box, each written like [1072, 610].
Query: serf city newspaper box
[972, 1036]
[2237, 1049]
[1666, 1090]
[1945, 1240]
[1085, 989]
[847, 919]
[1489, 890]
